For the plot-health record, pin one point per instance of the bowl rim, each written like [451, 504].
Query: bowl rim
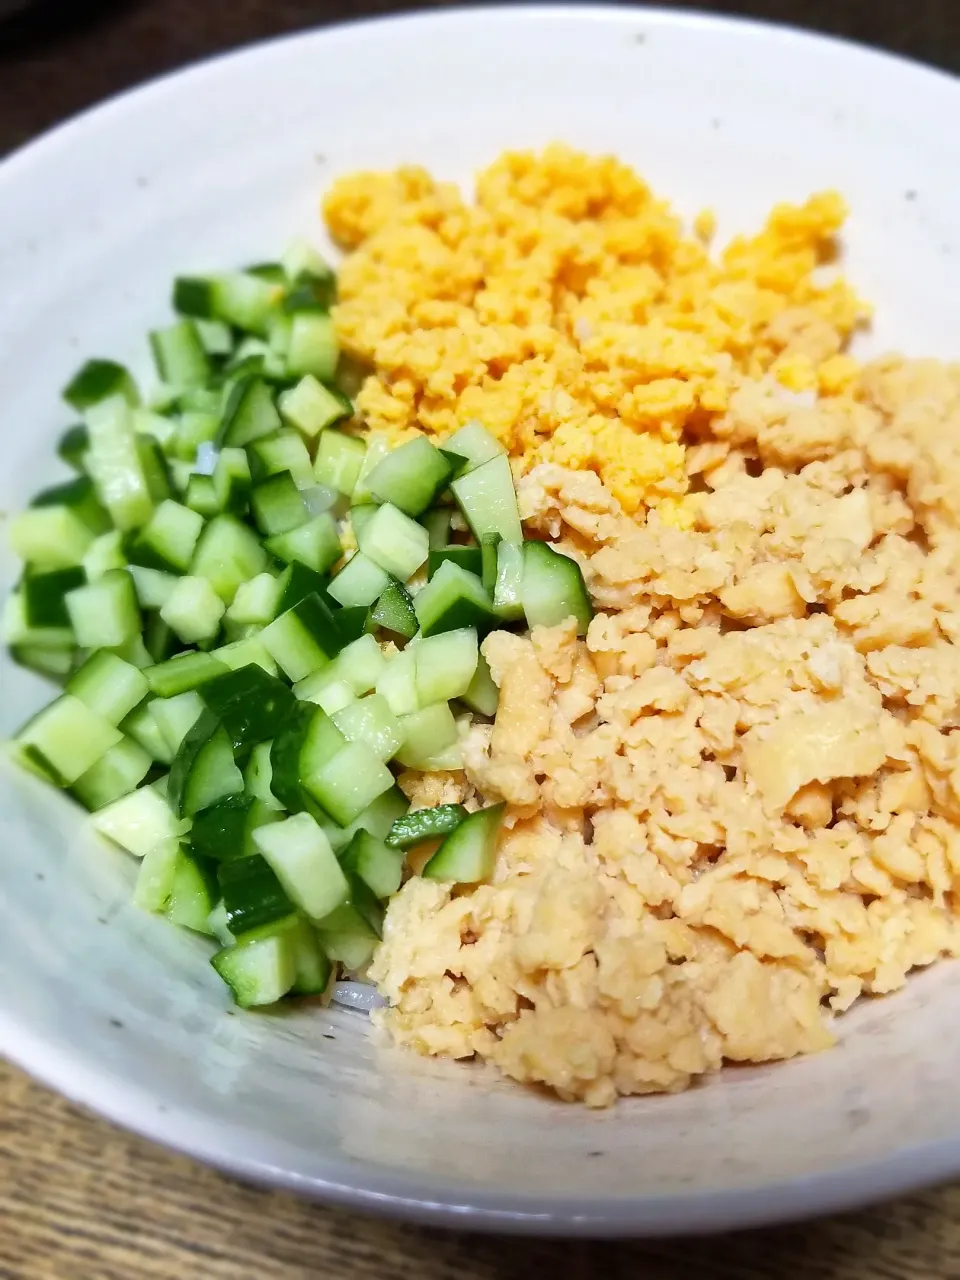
[414, 1196]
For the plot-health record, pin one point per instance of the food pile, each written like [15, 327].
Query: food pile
[674, 724]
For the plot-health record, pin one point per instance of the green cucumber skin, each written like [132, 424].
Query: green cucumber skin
[250, 704]
[468, 855]
[425, 824]
[252, 894]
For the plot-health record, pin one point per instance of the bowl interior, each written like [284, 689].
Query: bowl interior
[224, 164]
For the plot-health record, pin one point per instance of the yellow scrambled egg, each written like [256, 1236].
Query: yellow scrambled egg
[567, 310]
[734, 806]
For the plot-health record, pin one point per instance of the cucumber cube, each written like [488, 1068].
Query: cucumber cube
[69, 738]
[395, 542]
[193, 610]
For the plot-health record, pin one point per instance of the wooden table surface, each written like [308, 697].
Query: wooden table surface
[79, 1200]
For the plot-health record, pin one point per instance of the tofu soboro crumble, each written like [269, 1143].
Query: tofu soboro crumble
[734, 806]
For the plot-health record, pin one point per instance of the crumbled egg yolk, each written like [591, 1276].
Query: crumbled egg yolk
[567, 310]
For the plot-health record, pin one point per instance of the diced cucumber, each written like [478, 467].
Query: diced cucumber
[200, 495]
[553, 588]
[100, 380]
[175, 717]
[193, 429]
[150, 422]
[105, 614]
[394, 542]
[452, 599]
[488, 562]
[215, 336]
[43, 595]
[226, 829]
[437, 524]
[141, 726]
[314, 967]
[339, 461]
[256, 601]
[295, 584]
[469, 558]
[259, 971]
[192, 894]
[475, 443]
[245, 653]
[272, 271]
[278, 504]
[350, 933]
[482, 696]
[424, 824]
[306, 742]
[180, 355]
[258, 774]
[193, 610]
[326, 688]
[306, 866]
[118, 772]
[201, 400]
[136, 652]
[81, 498]
[313, 346]
[398, 684]
[360, 581]
[232, 481]
[378, 818]
[54, 664]
[138, 822]
[158, 640]
[109, 686]
[203, 769]
[315, 544]
[72, 446]
[238, 298]
[250, 705]
[254, 898]
[217, 923]
[249, 412]
[352, 950]
[281, 451]
[508, 589]
[445, 665]
[394, 611]
[469, 854]
[49, 538]
[371, 722]
[103, 554]
[380, 868]
[153, 587]
[155, 876]
[300, 259]
[349, 782]
[153, 465]
[411, 476]
[228, 554]
[352, 623]
[183, 672]
[361, 515]
[488, 499]
[303, 639]
[361, 664]
[312, 407]
[249, 360]
[429, 736]
[118, 465]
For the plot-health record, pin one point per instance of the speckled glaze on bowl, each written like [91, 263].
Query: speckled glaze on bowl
[222, 164]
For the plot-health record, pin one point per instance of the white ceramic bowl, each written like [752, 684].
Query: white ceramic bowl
[221, 164]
